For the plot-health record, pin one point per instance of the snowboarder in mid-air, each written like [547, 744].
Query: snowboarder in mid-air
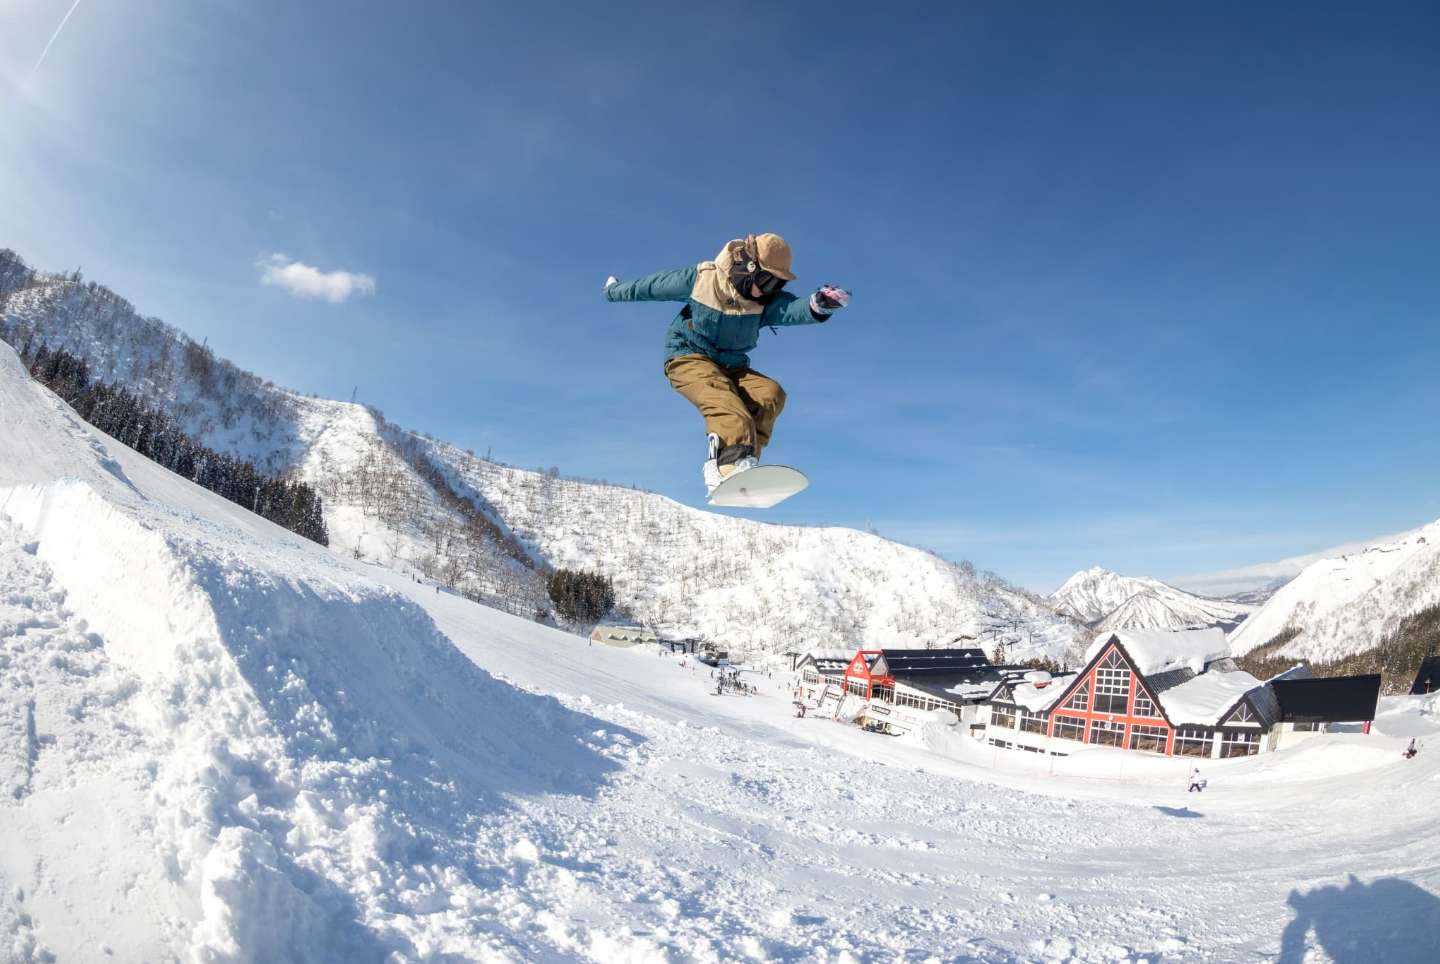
[724, 304]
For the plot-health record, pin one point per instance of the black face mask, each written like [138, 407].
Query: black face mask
[745, 274]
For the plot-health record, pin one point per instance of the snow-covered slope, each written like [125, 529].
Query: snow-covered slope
[1350, 603]
[1263, 579]
[1109, 601]
[755, 585]
[685, 572]
[220, 742]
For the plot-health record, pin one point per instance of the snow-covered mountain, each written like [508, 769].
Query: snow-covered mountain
[407, 501]
[1109, 601]
[1350, 603]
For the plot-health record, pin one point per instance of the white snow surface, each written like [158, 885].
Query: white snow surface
[1107, 600]
[1157, 651]
[1350, 603]
[219, 742]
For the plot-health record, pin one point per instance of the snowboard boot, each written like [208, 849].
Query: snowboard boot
[732, 460]
[710, 470]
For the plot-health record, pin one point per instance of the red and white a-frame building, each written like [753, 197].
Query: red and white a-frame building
[1171, 693]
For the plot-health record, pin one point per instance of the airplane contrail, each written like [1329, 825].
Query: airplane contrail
[63, 22]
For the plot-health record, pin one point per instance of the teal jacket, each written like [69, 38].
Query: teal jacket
[712, 321]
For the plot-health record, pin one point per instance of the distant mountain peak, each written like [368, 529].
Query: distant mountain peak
[1106, 600]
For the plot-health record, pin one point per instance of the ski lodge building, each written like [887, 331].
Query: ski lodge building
[1154, 691]
[1169, 693]
[899, 687]
[820, 668]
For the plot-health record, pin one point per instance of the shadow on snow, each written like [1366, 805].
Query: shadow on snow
[1390, 920]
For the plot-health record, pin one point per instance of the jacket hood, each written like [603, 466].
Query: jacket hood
[712, 282]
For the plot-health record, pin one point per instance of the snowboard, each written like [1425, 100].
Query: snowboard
[759, 488]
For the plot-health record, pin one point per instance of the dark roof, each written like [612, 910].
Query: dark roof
[1335, 699]
[939, 685]
[906, 662]
[1171, 678]
[825, 662]
[1263, 697]
[1427, 678]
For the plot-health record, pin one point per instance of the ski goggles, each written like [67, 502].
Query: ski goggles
[767, 282]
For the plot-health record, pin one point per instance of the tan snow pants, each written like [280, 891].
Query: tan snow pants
[739, 404]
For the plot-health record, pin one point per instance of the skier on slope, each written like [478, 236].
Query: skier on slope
[725, 304]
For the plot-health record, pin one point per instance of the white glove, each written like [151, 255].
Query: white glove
[829, 299]
[612, 280]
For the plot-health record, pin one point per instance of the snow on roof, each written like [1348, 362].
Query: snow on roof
[1156, 651]
[969, 688]
[831, 654]
[1038, 699]
[1203, 700]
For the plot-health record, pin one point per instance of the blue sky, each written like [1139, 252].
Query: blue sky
[1136, 285]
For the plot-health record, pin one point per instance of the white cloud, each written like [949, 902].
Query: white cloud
[303, 281]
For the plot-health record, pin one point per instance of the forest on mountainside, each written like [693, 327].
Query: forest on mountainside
[150, 432]
[1396, 659]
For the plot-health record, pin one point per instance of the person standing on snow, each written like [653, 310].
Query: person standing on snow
[725, 303]
[1196, 784]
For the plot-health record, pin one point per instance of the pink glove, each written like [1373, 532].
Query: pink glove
[829, 299]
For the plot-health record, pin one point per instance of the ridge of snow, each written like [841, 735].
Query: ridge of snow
[1350, 603]
[304, 733]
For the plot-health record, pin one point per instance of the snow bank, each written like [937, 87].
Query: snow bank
[317, 757]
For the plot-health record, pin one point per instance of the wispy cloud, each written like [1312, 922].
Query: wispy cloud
[304, 281]
[53, 37]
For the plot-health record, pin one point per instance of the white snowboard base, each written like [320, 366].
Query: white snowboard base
[759, 488]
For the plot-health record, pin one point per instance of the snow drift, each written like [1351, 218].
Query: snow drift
[317, 759]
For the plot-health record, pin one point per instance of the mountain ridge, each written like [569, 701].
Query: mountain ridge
[1108, 601]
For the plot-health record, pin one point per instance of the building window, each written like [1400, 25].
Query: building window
[1308, 727]
[1242, 714]
[1069, 729]
[1112, 685]
[1239, 744]
[1003, 744]
[1032, 722]
[1192, 741]
[1143, 705]
[1081, 699]
[1107, 734]
[1002, 716]
[856, 687]
[1150, 739]
[883, 693]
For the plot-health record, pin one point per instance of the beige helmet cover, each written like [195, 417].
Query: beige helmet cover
[772, 252]
[712, 283]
